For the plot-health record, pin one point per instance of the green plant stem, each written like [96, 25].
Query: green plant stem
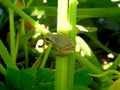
[45, 56]
[26, 55]
[88, 52]
[62, 62]
[7, 57]
[72, 34]
[95, 12]
[25, 16]
[62, 18]
[115, 63]
[87, 63]
[37, 63]
[12, 35]
[23, 2]
[25, 44]
[107, 73]
[81, 12]
[2, 69]
[17, 43]
[29, 2]
[61, 73]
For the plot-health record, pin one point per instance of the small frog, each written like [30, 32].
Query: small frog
[61, 42]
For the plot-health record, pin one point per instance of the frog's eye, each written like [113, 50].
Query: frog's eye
[49, 41]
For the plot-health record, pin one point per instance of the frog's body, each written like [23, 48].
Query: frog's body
[62, 43]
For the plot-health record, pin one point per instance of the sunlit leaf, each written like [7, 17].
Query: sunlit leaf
[115, 85]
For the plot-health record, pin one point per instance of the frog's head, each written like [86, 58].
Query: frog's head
[49, 38]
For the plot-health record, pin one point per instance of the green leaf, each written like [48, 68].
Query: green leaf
[19, 79]
[44, 80]
[31, 71]
[115, 85]
[81, 88]
[82, 77]
[45, 75]
[44, 86]
[27, 80]
[3, 87]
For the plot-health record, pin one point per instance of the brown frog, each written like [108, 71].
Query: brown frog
[61, 42]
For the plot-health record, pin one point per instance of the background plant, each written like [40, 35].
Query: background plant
[30, 20]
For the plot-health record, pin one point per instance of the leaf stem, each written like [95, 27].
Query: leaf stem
[12, 35]
[45, 56]
[25, 44]
[2, 69]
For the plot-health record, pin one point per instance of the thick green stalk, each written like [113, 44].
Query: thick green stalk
[61, 62]
[61, 73]
[72, 33]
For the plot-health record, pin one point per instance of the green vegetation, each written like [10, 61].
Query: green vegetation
[59, 45]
